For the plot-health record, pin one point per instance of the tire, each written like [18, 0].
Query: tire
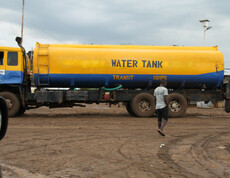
[142, 105]
[177, 105]
[227, 105]
[128, 108]
[12, 103]
[3, 118]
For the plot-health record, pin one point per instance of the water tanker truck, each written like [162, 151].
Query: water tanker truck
[88, 74]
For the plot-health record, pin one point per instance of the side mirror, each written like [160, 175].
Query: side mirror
[18, 40]
[3, 118]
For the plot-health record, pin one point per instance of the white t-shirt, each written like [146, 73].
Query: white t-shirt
[159, 93]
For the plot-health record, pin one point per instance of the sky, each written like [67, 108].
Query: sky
[117, 22]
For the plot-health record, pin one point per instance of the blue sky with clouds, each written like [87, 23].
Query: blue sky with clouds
[136, 22]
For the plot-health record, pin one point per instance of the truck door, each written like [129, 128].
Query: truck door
[13, 68]
[14, 73]
[2, 67]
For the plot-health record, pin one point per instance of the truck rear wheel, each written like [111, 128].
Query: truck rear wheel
[177, 105]
[227, 105]
[12, 103]
[142, 105]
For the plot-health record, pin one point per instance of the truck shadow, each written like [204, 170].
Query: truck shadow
[76, 115]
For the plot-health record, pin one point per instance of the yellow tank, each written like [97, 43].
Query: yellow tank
[131, 66]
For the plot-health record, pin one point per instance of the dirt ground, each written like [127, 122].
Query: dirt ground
[99, 141]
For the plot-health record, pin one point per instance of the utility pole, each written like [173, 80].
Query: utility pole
[23, 3]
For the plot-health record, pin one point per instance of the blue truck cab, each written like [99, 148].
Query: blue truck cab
[11, 65]
[14, 78]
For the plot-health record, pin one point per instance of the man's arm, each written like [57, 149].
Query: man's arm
[166, 100]
[166, 97]
[154, 101]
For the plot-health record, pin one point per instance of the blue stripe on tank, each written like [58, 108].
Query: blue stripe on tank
[211, 80]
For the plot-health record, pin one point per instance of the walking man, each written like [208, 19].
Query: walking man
[161, 101]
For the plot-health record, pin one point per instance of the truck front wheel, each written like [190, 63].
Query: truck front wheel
[12, 103]
[177, 105]
[142, 105]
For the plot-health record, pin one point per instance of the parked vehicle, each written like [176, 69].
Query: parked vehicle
[111, 73]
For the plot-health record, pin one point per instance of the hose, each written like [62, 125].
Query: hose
[111, 89]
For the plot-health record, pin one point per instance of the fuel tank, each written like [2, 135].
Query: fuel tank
[93, 66]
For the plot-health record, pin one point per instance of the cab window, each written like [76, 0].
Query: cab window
[1, 58]
[12, 59]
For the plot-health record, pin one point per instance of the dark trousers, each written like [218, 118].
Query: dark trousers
[162, 113]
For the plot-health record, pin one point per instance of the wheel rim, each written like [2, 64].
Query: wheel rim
[9, 103]
[174, 106]
[144, 105]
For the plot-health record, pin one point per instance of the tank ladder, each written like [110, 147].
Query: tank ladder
[43, 65]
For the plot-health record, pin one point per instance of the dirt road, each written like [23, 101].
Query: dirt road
[98, 141]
